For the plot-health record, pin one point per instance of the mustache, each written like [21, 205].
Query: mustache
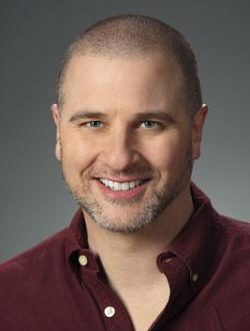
[132, 171]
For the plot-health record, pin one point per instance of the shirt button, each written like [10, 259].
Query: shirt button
[109, 311]
[168, 259]
[83, 260]
[195, 278]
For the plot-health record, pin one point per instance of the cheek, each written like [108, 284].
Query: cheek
[77, 153]
[167, 154]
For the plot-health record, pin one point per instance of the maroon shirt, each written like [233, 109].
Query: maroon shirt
[50, 288]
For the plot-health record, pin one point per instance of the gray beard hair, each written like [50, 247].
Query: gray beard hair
[152, 208]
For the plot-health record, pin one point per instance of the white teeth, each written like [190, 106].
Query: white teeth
[117, 186]
[110, 184]
[125, 186]
[131, 184]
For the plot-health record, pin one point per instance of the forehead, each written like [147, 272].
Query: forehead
[136, 81]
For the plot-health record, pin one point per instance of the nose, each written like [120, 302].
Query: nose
[120, 150]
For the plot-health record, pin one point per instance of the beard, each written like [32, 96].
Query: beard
[152, 208]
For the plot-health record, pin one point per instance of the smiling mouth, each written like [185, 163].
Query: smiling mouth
[122, 186]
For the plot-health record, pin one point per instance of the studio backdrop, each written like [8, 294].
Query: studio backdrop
[34, 35]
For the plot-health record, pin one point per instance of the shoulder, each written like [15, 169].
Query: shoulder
[236, 233]
[34, 283]
[234, 243]
[233, 272]
[32, 261]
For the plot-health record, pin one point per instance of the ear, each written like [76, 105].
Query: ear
[57, 117]
[197, 128]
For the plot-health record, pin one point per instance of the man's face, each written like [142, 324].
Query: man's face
[124, 139]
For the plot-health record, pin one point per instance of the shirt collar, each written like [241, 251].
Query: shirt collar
[193, 244]
[77, 245]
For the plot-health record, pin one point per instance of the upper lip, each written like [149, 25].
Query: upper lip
[123, 180]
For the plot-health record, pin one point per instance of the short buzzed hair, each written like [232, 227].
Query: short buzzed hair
[136, 35]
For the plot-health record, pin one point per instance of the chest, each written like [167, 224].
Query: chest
[146, 305]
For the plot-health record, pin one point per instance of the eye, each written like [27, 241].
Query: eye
[93, 124]
[150, 124]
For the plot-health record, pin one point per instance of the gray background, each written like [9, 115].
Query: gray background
[34, 35]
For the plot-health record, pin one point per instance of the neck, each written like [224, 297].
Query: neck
[137, 252]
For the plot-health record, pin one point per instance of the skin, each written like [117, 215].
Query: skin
[123, 119]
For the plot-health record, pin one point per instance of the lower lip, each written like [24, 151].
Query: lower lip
[122, 195]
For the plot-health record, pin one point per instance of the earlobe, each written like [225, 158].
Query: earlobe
[56, 117]
[198, 124]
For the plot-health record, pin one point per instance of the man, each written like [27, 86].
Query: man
[146, 250]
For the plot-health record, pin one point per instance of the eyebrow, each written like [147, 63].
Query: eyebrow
[87, 114]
